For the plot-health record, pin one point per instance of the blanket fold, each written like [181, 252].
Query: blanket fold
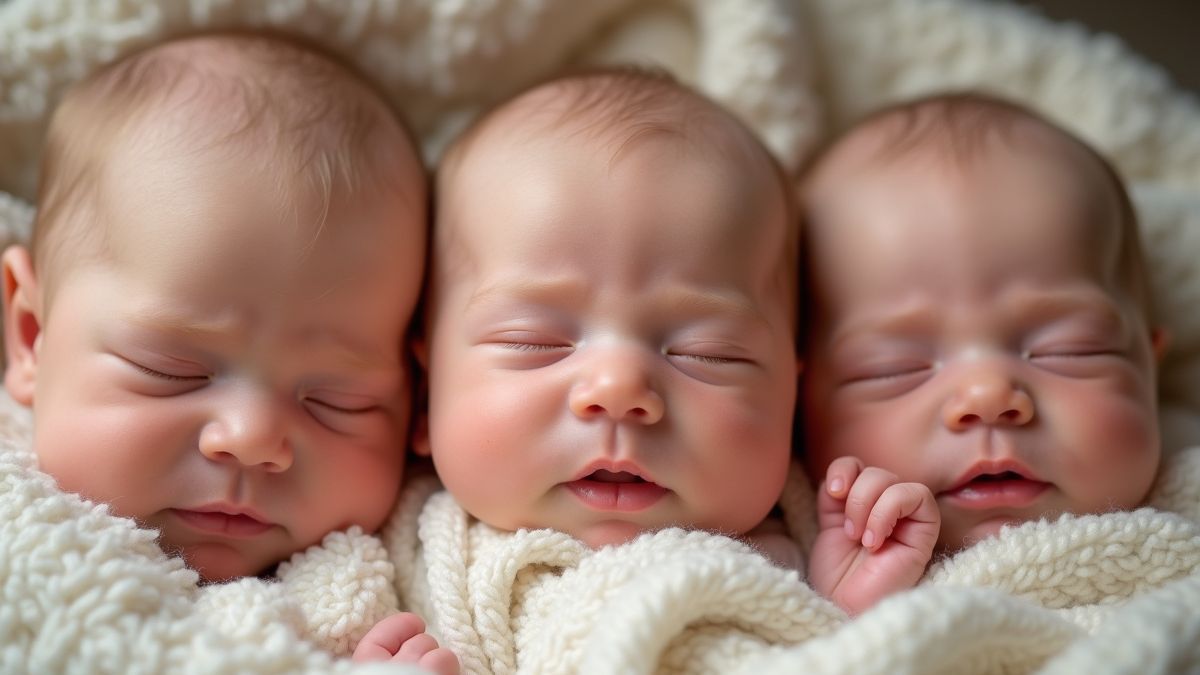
[692, 602]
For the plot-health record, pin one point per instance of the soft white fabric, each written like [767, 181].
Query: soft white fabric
[1038, 598]
[82, 591]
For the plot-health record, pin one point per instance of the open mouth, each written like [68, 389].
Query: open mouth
[1001, 489]
[997, 477]
[602, 476]
[605, 490]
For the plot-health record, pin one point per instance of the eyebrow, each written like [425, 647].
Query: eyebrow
[569, 292]
[1038, 305]
[561, 291]
[901, 321]
[1053, 304]
[347, 349]
[161, 320]
[350, 350]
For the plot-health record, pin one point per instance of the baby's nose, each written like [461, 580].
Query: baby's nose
[616, 383]
[250, 433]
[988, 396]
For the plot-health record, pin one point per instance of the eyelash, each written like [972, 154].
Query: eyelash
[339, 409]
[1069, 355]
[530, 346]
[167, 376]
[711, 360]
[888, 377]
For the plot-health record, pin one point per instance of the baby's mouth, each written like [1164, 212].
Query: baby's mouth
[996, 477]
[1001, 489]
[602, 476]
[605, 490]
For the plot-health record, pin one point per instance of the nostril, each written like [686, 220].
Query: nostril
[969, 419]
[1010, 415]
[637, 412]
[595, 409]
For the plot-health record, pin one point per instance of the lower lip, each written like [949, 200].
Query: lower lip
[996, 494]
[230, 525]
[627, 497]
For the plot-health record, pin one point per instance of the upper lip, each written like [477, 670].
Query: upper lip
[232, 510]
[992, 467]
[621, 466]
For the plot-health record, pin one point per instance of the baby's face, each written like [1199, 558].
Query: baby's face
[971, 332]
[236, 382]
[612, 348]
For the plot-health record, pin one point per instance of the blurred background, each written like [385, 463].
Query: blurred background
[1165, 31]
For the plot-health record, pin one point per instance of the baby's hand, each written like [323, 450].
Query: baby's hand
[402, 638]
[877, 534]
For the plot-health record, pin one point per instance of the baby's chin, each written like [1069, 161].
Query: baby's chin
[217, 562]
[953, 540]
[610, 533]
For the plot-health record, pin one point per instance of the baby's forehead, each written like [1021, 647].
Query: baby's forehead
[973, 158]
[1026, 203]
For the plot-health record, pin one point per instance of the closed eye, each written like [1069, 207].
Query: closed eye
[709, 358]
[1073, 354]
[885, 375]
[346, 410]
[530, 346]
[168, 376]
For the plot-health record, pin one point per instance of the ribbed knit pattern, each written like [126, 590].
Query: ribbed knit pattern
[692, 602]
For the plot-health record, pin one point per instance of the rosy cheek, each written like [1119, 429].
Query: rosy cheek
[886, 434]
[1110, 445]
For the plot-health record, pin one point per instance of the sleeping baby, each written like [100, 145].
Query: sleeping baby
[197, 323]
[979, 322]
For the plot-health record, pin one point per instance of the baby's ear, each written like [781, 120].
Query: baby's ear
[420, 435]
[420, 352]
[1160, 340]
[420, 423]
[22, 324]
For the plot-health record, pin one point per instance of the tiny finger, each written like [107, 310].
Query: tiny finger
[441, 661]
[387, 636]
[416, 647]
[897, 502]
[841, 475]
[861, 499]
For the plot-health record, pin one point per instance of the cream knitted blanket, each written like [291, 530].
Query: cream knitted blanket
[1116, 593]
[82, 591]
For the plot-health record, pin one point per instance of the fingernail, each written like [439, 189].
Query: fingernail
[836, 485]
[868, 539]
[849, 528]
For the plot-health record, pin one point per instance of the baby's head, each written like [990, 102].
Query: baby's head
[979, 315]
[611, 319]
[211, 324]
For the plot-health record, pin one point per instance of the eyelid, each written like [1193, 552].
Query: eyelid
[167, 376]
[1080, 352]
[1090, 345]
[342, 409]
[530, 346]
[525, 340]
[887, 372]
[712, 358]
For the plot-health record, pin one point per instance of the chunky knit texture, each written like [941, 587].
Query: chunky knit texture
[1029, 600]
[83, 591]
